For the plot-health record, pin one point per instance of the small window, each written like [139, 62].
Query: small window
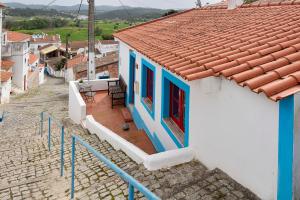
[148, 87]
[177, 105]
[149, 90]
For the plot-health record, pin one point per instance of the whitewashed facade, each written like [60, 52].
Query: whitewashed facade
[229, 127]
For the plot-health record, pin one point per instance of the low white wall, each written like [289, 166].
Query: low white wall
[100, 84]
[151, 162]
[77, 106]
[236, 130]
[5, 93]
[116, 141]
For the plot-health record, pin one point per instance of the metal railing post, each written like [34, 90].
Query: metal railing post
[42, 124]
[62, 150]
[73, 168]
[130, 192]
[49, 133]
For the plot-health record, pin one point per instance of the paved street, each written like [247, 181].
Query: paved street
[29, 171]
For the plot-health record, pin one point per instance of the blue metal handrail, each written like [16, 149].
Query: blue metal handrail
[133, 183]
[62, 144]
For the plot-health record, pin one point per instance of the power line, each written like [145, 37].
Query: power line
[50, 3]
[79, 9]
[126, 10]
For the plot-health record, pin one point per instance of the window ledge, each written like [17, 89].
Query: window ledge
[148, 104]
[178, 133]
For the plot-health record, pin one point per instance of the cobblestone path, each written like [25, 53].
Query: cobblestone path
[29, 171]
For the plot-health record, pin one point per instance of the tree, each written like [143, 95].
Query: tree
[107, 37]
[61, 64]
[170, 12]
[98, 31]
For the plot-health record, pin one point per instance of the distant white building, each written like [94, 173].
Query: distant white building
[40, 40]
[5, 68]
[107, 46]
[16, 48]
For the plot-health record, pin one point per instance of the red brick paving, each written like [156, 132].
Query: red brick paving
[113, 119]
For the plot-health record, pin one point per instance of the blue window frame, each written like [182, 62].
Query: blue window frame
[169, 83]
[130, 94]
[148, 87]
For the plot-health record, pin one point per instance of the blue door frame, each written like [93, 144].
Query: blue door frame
[285, 149]
[132, 61]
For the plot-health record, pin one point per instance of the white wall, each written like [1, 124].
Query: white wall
[236, 130]
[69, 75]
[153, 125]
[77, 107]
[20, 67]
[41, 75]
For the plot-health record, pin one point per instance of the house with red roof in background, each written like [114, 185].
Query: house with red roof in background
[16, 49]
[40, 40]
[5, 70]
[224, 83]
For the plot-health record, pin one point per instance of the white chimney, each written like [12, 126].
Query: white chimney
[232, 4]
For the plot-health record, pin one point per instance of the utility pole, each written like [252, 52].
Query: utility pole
[198, 4]
[67, 45]
[91, 43]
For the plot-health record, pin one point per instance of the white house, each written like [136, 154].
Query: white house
[107, 46]
[40, 40]
[33, 61]
[224, 83]
[5, 68]
[16, 49]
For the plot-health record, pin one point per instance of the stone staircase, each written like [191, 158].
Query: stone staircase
[29, 171]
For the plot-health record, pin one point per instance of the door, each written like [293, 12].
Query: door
[131, 79]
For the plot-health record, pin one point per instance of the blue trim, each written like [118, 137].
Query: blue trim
[132, 58]
[157, 143]
[141, 125]
[166, 79]
[285, 149]
[145, 65]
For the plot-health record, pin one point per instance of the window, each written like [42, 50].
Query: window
[149, 84]
[148, 87]
[175, 108]
[177, 105]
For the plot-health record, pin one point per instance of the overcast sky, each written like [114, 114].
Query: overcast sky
[140, 3]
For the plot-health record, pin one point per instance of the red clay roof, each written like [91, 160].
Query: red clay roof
[2, 5]
[17, 37]
[32, 58]
[256, 45]
[46, 39]
[5, 76]
[79, 59]
[6, 64]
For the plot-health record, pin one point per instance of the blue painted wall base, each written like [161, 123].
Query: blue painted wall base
[140, 124]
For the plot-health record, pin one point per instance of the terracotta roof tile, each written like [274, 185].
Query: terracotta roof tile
[32, 58]
[17, 37]
[7, 64]
[5, 76]
[256, 45]
[77, 60]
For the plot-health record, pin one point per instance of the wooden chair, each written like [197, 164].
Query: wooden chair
[117, 91]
